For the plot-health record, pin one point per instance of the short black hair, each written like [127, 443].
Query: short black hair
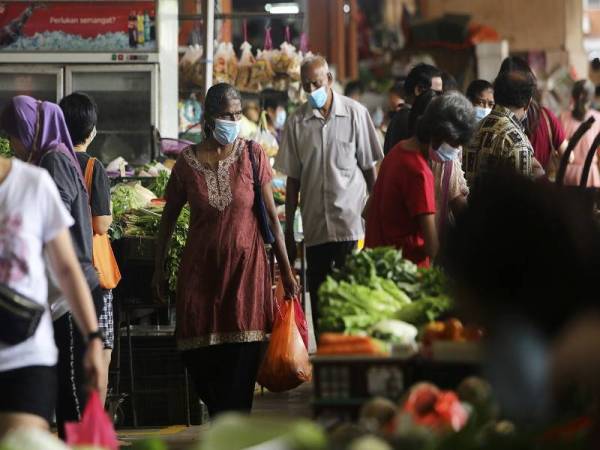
[514, 89]
[448, 118]
[449, 83]
[81, 116]
[420, 76]
[270, 98]
[354, 87]
[398, 87]
[418, 108]
[515, 64]
[476, 88]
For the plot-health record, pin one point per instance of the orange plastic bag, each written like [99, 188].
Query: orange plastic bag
[95, 428]
[286, 363]
[301, 322]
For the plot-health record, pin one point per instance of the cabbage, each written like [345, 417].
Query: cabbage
[395, 332]
[128, 196]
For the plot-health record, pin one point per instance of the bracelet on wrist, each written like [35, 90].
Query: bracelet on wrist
[94, 335]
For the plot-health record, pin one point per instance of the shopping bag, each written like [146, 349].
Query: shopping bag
[95, 428]
[299, 312]
[103, 257]
[286, 363]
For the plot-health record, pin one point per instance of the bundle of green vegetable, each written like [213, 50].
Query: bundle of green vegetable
[369, 272]
[354, 307]
[159, 185]
[126, 197]
[146, 222]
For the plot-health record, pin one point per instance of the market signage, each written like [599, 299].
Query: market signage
[112, 26]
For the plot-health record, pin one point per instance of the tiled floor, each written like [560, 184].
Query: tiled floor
[295, 403]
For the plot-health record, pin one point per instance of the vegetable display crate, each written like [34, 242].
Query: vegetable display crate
[163, 396]
[342, 384]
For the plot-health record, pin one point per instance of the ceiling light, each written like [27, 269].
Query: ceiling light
[282, 8]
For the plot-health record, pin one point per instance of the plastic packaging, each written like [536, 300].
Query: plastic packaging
[245, 64]
[225, 64]
[265, 138]
[286, 363]
[95, 428]
[301, 322]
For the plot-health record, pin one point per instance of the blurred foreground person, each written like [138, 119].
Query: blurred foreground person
[524, 260]
[37, 217]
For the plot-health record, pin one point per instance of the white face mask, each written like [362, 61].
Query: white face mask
[481, 113]
[447, 153]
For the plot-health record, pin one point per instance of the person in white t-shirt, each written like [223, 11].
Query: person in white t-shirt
[33, 219]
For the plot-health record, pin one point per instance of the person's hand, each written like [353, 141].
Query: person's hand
[290, 285]
[159, 285]
[290, 246]
[94, 364]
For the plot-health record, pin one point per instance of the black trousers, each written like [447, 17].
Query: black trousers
[321, 260]
[225, 375]
[72, 384]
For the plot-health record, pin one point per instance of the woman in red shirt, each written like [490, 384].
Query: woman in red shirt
[402, 208]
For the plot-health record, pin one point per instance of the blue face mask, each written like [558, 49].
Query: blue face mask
[378, 117]
[226, 131]
[318, 98]
[447, 152]
[280, 118]
[481, 113]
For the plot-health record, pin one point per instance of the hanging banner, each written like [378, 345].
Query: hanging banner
[113, 26]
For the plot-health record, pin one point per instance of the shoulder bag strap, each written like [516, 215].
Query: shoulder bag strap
[89, 176]
[550, 134]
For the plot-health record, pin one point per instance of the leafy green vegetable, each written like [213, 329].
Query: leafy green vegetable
[5, 148]
[159, 185]
[354, 307]
[383, 262]
[424, 310]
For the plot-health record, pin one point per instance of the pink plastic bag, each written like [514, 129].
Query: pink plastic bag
[95, 427]
[300, 317]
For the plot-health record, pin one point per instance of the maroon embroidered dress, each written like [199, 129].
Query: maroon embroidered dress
[224, 288]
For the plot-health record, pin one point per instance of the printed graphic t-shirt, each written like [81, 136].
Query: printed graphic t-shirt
[31, 215]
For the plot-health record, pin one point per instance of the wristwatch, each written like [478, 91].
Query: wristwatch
[94, 335]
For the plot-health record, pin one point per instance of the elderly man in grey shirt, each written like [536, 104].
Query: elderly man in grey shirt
[328, 151]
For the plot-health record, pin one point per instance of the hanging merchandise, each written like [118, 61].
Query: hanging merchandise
[225, 64]
[190, 67]
[265, 138]
[190, 115]
[262, 72]
[247, 61]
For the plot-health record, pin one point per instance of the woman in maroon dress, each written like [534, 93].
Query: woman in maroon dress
[224, 297]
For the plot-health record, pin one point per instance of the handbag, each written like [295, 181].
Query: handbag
[103, 257]
[19, 316]
[259, 203]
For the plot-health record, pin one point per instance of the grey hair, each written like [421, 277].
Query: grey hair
[314, 60]
[448, 118]
[216, 99]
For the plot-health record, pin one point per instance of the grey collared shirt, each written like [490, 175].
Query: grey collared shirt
[328, 157]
